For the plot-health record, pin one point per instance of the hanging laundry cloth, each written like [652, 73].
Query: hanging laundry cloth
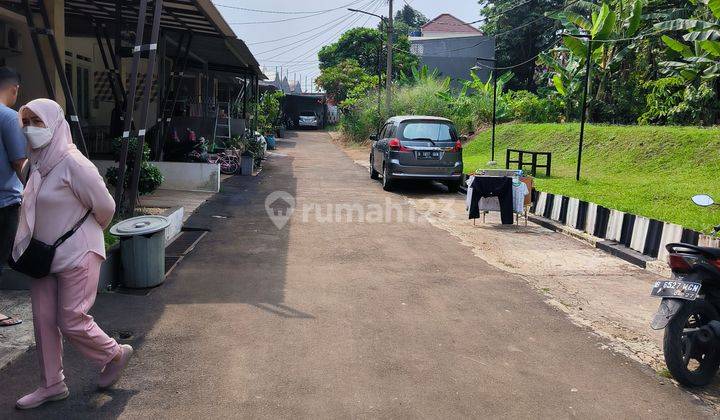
[500, 187]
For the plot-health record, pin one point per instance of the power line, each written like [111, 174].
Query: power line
[275, 21]
[281, 12]
[314, 49]
[338, 23]
[298, 33]
[501, 34]
[609, 41]
[285, 48]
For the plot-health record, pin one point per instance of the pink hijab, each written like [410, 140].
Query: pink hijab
[42, 161]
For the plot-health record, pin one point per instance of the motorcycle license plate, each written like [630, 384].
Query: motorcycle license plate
[427, 154]
[675, 289]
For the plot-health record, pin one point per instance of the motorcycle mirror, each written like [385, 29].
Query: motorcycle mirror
[703, 200]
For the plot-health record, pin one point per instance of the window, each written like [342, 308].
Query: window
[385, 131]
[82, 93]
[435, 131]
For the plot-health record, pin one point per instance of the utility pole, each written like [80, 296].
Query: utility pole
[388, 87]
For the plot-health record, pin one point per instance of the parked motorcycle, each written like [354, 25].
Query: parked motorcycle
[690, 310]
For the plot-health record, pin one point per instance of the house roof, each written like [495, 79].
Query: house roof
[449, 24]
[214, 42]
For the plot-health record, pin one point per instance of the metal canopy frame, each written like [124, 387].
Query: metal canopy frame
[181, 15]
[130, 106]
[177, 73]
[72, 116]
[108, 20]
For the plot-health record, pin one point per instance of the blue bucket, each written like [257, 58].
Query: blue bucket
[270, 139]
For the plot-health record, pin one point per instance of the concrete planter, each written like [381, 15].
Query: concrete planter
[180, 176]
[110, 271]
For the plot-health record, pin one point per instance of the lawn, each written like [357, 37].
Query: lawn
[645, 170]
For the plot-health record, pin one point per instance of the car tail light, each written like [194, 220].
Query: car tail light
[458, 146]
[678, 263]
[394, 144]
[716, 263]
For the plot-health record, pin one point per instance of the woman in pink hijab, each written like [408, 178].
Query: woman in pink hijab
[63, 186]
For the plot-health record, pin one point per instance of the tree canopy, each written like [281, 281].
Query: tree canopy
[534, 35]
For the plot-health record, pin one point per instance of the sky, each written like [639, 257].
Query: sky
[293, 44]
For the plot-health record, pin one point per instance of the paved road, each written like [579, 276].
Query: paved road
[328, 319]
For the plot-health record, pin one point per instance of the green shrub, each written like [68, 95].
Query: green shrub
[150, 176]
[360, 118]
[672, 101]
[527, 107]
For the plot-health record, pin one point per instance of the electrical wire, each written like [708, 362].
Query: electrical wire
[322, 43]
[340, 22]
[609, 41]
[289, 47]
[292, 18]
[315, 50]
[298, 33]
[512, 66]
[281, 12]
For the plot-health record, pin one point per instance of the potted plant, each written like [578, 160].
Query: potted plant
[150, 176]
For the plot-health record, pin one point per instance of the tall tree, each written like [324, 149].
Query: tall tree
[364, 46]
[535, 34]
[408, 20]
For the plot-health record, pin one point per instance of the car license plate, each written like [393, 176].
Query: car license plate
[427, 154]
[676, 289]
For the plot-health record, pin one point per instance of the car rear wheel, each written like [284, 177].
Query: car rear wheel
[453, 186]
[373, 173]
[387, 183]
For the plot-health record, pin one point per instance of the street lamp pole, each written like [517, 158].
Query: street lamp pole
[586, 88]
[388, 77]
[494, 116]
[389, 25]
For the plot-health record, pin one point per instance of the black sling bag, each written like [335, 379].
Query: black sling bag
[38, 257]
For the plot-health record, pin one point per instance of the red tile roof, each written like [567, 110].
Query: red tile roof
[450, 24]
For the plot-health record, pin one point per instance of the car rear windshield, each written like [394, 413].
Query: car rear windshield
[423, 130]
[307, 114]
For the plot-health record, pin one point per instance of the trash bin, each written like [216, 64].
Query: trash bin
[247, 165]
[142, 250]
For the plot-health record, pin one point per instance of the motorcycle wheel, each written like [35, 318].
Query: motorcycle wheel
[690, 362]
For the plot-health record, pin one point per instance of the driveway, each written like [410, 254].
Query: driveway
[356, 307]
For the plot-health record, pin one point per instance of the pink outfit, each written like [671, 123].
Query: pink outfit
[60, 304]
[63, 185]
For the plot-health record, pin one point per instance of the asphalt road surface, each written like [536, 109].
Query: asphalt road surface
[343, 313]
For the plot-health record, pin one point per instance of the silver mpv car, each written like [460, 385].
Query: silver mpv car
[417, 147]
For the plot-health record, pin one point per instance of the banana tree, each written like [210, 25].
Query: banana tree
[699, 49]
[610, 21]
[566, 72]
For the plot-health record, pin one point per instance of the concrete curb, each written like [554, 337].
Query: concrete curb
[613, 248]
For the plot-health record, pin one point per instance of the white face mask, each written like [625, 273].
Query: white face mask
[38, 137]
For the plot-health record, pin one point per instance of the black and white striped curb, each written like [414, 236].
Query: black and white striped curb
[636, 239]
[641, 234]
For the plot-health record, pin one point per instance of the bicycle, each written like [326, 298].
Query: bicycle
[229, 161]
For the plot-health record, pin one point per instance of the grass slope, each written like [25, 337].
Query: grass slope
[645, 170]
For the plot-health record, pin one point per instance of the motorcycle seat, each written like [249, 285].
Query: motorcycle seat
[707, 251]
